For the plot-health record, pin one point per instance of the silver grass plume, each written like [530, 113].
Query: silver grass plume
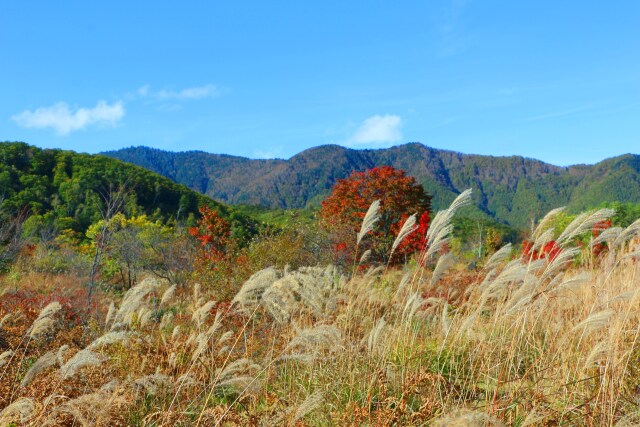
[403, 284]
[173, 359]
[443, 264]
[374, 335]
[365, 256]
[543, 238]
[608, 236]
[444, 217]
[5, 357]
[573, 226]
[196, 292]
[168, 295]
[60, 354]
[440, 229]
[145, 316]
[111, 313]
[239, 376]
[279, 301]
[310, 404]
[5, 319]
[241, 384]
[45, 322]
[252, 290]
[628, 233]
[87, 410]
[225, 337]
[562, 260]
[237, 366]
[408, 227]
[595, 321]
[311, 288]
[166, 320]
[201, 314]
[582, 223]
[151, 383]
[371, 217]
[522, 295]
[191, 339]
[176, 333]
[203, 339]
[202, 345]
[80, 360]
[414, 302]
[374, 271]
[546, 220]
[21, 411]
[598, 352]
[44, 362]
[513, 273]
[573, 282]
[625, 296]
[186, 380]
[110, 387]
[42, 327]
[134, 298]
[108, 339]
[497, 258]
[310, 343]
[446, 322]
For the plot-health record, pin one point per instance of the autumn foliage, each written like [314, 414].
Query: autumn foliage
[598, 248]
[212, 232]
[400, 197]
[550, 250]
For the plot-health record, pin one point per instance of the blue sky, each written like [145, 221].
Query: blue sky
[554, 80]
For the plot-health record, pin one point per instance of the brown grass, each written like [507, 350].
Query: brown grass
[521, 343]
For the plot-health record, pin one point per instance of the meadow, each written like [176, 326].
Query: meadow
[527, 338]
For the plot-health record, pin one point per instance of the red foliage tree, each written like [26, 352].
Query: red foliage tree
[549, 250]
[220, 261]
[598, 228]
[212, 232]
[400, 196]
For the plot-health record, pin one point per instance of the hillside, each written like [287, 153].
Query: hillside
[510, 189]
[67, 190]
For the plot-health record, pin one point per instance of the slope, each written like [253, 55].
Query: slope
[511, 189]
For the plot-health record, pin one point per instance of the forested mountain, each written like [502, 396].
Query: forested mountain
[68, 190]
[511, 189]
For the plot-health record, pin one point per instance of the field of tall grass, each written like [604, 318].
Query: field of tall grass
[521, 341]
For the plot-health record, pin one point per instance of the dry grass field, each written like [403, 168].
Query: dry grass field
[520, 341]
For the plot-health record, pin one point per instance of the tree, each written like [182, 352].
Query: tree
[139, 244]
[10, 236]
[220, 262]
[400, 197]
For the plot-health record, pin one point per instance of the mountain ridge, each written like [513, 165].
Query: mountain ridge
[512, 189]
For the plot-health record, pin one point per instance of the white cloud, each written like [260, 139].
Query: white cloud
[378, 130]
[60, 117]
[196, 92]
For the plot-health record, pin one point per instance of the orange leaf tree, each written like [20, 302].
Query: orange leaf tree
[400, 196]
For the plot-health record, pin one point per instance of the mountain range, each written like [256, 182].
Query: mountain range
[511, 189]
[65, 190]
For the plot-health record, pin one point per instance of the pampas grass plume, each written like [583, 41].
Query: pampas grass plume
[369, 221]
